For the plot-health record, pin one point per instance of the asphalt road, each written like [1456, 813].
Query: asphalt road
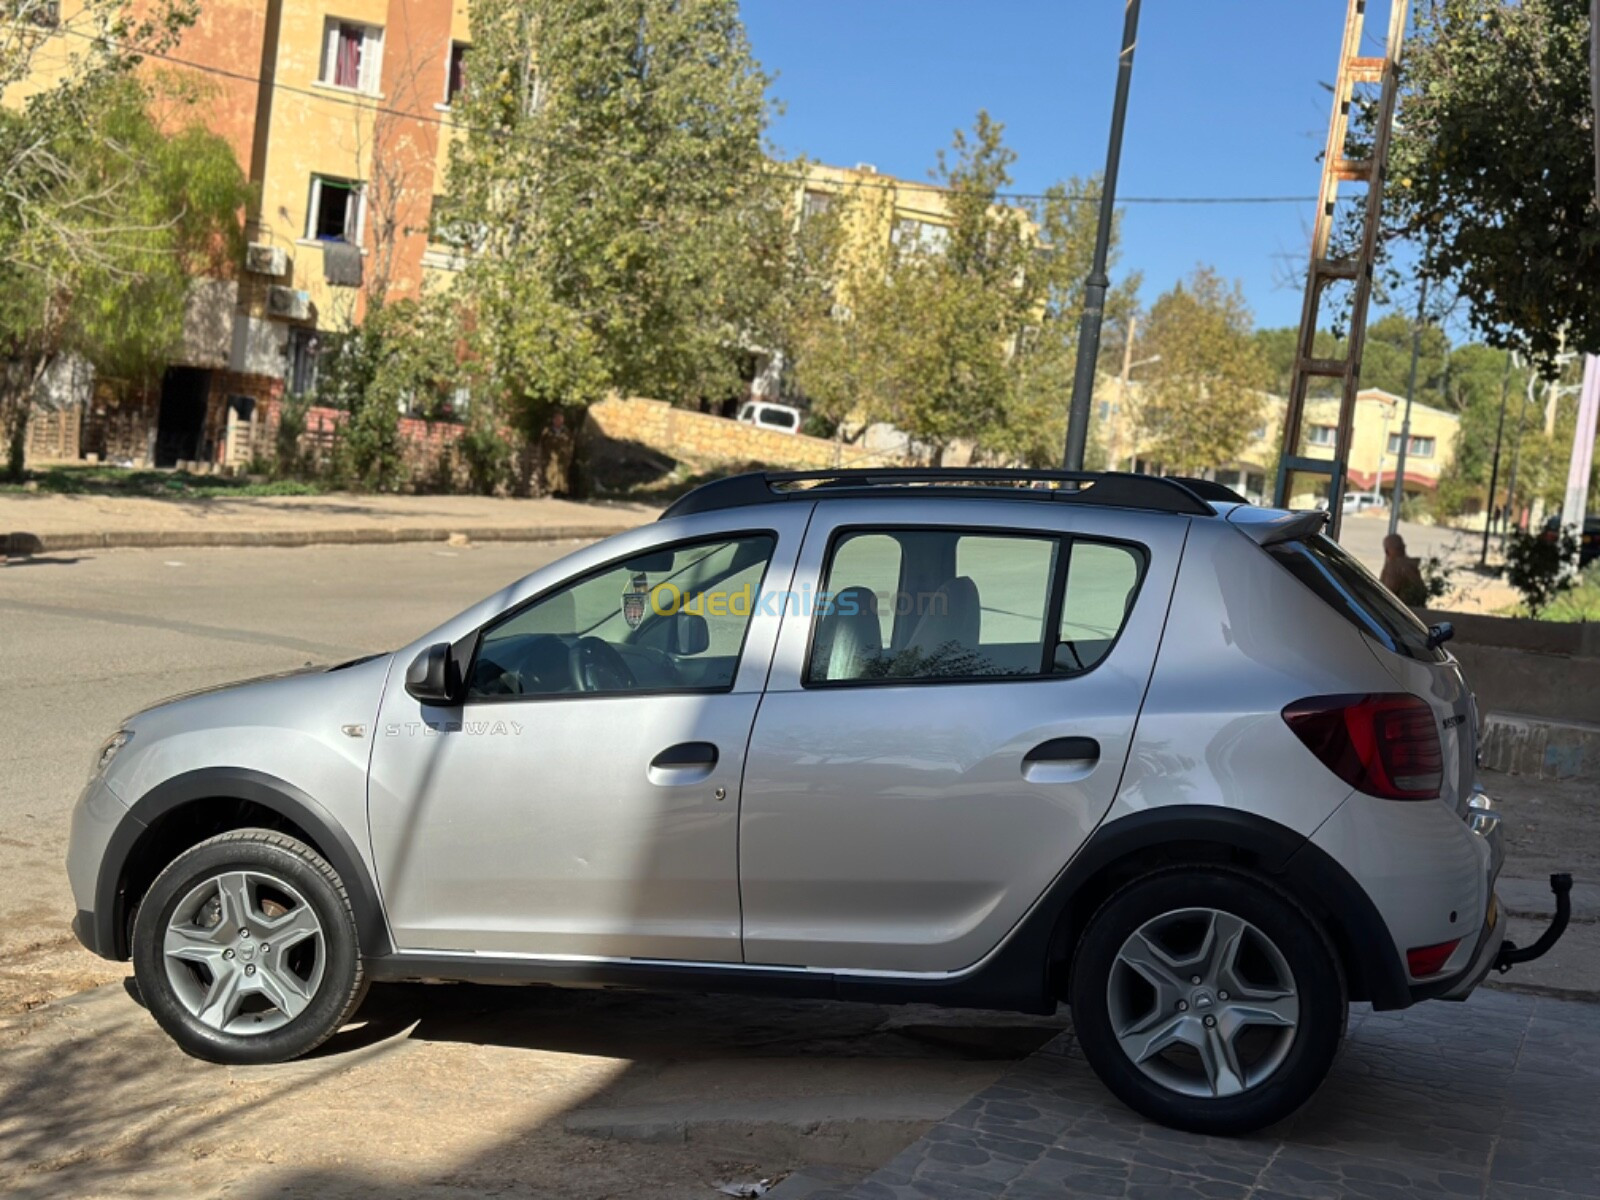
[87, 639]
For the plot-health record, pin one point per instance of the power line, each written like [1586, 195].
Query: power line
[888, 184]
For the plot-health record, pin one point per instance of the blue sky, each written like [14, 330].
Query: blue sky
[1227, 100]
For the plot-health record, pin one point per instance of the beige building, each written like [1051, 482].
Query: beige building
[1374, 448]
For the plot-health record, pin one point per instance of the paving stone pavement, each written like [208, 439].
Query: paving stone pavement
[1497, 1098]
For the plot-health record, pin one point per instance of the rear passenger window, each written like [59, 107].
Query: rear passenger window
[1012, 576]
[1101, 582]
[958, 606]
[871, 561]
[923, 604]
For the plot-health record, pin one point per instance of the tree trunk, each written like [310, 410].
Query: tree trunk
[16, 407]
[16, 410]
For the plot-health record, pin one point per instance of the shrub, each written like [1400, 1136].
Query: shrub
[1541, 570]
[486, 453]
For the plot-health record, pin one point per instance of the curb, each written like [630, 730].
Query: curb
[148, 539]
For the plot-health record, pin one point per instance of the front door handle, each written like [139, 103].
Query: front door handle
[685, 763]
[1061, 760]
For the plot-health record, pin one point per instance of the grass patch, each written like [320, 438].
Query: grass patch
[161, 485]
[1579, 603]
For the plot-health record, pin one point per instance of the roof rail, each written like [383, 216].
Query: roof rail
[1113, 489]
[1210, 489]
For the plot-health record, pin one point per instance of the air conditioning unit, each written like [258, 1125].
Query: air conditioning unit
[261, 259]
[867, 168]
[289, 304]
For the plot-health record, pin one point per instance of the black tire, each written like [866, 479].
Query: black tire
[1317, 977]
[283, 858]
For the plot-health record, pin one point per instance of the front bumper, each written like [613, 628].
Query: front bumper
[102, 829]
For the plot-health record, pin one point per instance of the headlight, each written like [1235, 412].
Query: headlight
[114, 743]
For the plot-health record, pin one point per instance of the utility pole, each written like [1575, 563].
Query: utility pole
[1516, 458]
[1094, 300]
[1594, 85]
[1494, 471]
[1581, 466]
[1405, 422]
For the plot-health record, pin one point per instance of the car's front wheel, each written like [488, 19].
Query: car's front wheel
[245, 949]
[1208, 999]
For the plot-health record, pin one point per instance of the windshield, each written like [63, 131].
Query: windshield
[1350, 589]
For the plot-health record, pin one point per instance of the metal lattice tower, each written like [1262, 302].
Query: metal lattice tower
[1336, 169]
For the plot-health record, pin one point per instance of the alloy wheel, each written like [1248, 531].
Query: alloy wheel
[244, 952]
[1203, 1002]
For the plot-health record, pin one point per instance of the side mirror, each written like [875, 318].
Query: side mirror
[690, 634]
[433, 676]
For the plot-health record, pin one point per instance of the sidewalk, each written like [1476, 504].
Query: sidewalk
[1441, 1100]
[88, 522]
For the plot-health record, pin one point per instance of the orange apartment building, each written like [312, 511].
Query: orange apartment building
[339, 114]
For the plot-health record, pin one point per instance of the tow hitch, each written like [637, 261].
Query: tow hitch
[1511, 954]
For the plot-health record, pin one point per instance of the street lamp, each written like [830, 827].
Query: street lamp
[1114, 442]
[1095, 287]
[1383, 453]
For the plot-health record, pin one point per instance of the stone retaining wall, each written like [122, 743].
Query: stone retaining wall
[705, 439]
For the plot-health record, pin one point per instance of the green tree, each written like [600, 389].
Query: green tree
[1386, 357]
[123, 199]
[1494, 161]
[623, 228]
[1200, 410]
[966, 333]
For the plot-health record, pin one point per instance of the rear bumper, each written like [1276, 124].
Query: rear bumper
[1484, 957]
[1430, 874]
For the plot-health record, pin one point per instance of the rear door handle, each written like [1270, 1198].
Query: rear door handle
[1061, 760]
[687, 762]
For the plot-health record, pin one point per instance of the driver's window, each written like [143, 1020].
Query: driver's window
[667, 620]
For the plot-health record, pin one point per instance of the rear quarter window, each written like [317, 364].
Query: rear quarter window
[1351, 591]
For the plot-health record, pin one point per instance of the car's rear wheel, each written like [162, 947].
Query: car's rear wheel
[1208, 999]
[245, 949]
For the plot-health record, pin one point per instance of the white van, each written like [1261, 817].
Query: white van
[767, 415]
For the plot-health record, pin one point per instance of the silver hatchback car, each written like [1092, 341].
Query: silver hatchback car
[975, 738]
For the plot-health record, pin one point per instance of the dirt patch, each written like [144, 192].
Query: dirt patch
[1551, 825]
[34, 973]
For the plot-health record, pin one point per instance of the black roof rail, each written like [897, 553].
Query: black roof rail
[1210, 489]
[1113, 489]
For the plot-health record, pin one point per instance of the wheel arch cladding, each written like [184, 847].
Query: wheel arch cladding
[186, 809]
[1130, 846]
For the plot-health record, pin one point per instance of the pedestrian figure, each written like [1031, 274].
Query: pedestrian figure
[555, 455]
[1401, 574]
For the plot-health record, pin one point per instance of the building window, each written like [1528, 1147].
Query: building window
[1420, 447]
[46, 14]
[815, 203]
[920, 237]
[353, 56]
[301, 377]
[337, 210]
[1322, 435]
[456, 76]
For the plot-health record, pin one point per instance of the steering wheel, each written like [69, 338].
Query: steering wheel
[597, 667]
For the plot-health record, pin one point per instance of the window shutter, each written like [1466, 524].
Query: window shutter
[352, 215]
[371, 60]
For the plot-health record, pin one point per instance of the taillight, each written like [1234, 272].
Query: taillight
[1423, 961]
[1384, 745]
